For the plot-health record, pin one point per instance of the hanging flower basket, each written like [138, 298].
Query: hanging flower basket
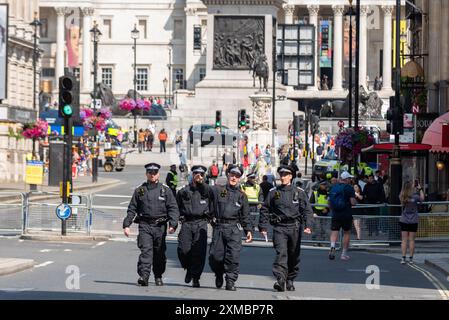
[92, 122]
[350, 142]
[35, 131]
[138, 105]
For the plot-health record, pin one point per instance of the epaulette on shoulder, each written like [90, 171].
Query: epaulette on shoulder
[300, 189]
[272, 189]
[143, 184]
[164, 185]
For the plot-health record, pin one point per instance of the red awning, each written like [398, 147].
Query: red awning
[407, 147]
[433, 135]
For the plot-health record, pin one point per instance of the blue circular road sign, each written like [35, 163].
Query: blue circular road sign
[63, 211]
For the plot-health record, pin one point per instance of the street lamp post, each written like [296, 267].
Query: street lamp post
[350, 13]
[135, 36]
[36, 23]
[165, 82]
[169, 76]
[96, 37]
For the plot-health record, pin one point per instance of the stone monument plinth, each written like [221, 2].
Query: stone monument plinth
[261, 132]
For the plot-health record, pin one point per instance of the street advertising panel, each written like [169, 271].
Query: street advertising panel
[326, 44]
[3, 50]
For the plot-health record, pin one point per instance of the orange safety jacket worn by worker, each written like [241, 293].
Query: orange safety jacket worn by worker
[162, 136]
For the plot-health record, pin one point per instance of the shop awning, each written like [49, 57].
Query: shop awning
[433, 135]
[407, 149]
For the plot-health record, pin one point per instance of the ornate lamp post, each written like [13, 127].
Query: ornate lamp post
[96, 37]
[169, 76]
[135, 36]
[36, 23]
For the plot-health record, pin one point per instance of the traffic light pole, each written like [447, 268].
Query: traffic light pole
[307, 138]
[67, 174]
[395, 164]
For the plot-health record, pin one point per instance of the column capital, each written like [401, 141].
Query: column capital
[88, 11]
[364, 11]
[61, 11]
[190, 11]
[388, 10]
[313, 9]
[338, 10]
[289, 9]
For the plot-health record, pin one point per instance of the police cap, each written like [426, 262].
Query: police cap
[152, 167]
[251, 176]
[234, 169]
[199, 169]
[286, 169]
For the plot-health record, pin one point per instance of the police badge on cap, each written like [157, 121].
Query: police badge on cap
[152, 167]
[199, 169]
[286, 169]
[234, 169]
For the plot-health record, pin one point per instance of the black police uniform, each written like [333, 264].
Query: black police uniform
[231, 217]
[151, 206]
[287, 209]
[196, 206]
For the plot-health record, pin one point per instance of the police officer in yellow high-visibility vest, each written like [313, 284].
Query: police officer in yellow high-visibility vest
[172, 179]
[253, 192]
[320, 197]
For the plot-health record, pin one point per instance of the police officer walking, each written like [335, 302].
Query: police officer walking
[196, 206]
[152, 206]
[172, 179]
[231, 218]
[287, 209]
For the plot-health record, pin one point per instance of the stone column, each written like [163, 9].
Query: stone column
[60, 31]
[313, 20]
[388, 36]
[363, 46]
[289, 10]
[190, 63]
[87, 25]
[338, 48]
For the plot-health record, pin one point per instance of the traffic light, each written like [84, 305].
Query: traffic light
[315, 124]
[247, 120]
[395, 118]
[68, 97]
[298, 123]
[242, 118]
[218, 119]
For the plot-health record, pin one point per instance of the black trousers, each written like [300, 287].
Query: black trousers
[224, 253]
[151, 242]
[162, 146]
[192, 247]
[287, 243]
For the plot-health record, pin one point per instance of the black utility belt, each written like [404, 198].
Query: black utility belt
[153, 220]
[194, 218]
[227, 221]
[287, 222]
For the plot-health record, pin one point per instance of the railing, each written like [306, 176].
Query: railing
[104, 214]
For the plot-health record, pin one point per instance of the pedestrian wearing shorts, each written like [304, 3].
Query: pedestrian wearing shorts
[341, 200]
[410, 196]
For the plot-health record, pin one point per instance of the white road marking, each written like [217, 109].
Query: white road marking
[67, 250]
[122, 240]
[98, 244]
[16, 289]
[364, 270]
[124, 202]
[45, 250]
[440, 287]
[21, 240]
[44, 264]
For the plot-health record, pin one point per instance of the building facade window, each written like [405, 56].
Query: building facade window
[48, 72]
[143, 28]
[44, 28]
[178, 77]
[142, 79]
[107, 28]
[106, 76]
[178, 30]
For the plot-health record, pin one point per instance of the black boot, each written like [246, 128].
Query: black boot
[158, 282]
[219, 281]
[143, 281]
[279, 286]
[230, 286]
[290, 286]
[196, 283]
[188, 277]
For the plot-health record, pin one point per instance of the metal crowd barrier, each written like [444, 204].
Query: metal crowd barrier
[102, 213]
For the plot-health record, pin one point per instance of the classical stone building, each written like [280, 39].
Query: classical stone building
[18, 107]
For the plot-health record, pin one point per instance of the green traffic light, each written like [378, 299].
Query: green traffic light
[217, 124]
[67, 110]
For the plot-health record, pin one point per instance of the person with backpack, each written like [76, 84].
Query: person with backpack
[341, 200]
[410, 196]
[213, 173]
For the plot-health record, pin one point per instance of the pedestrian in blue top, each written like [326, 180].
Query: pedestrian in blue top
[341, 200]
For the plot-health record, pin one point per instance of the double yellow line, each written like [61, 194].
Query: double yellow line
[440, 287]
